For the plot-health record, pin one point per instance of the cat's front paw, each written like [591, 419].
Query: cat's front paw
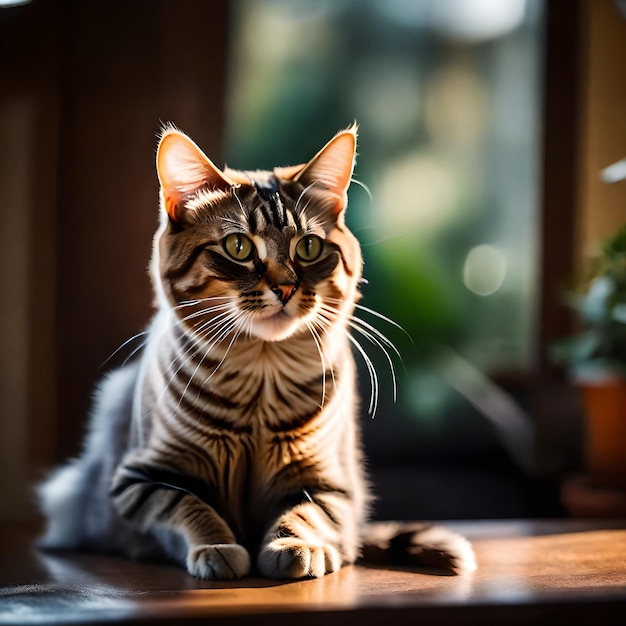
[293, 558]
[221, 561]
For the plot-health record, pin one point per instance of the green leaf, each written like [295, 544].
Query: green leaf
[595, 306]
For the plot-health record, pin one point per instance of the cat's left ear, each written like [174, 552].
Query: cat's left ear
[331, 168]
[184, 169]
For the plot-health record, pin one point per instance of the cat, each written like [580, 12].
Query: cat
[232, 444]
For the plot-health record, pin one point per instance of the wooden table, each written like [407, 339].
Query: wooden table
[530, 572]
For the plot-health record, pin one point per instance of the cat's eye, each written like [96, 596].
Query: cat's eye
[309, 248]
[238, 247]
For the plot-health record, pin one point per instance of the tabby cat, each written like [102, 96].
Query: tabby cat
[232, 442]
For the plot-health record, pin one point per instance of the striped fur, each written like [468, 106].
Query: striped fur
[233, 441]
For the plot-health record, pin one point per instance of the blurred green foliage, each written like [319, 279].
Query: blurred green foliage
[448, 147]
[600, 304]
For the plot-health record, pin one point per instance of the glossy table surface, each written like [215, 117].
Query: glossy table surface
[528, 572]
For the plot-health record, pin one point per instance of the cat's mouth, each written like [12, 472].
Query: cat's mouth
[275, 324]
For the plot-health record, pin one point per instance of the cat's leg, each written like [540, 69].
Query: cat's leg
[315, 537]
[171, 506]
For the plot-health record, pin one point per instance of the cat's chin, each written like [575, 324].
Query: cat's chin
[277, 327]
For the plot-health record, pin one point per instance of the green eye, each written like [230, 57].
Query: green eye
[238, 247]
[309, 248]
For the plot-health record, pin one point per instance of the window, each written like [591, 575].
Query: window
[448, 97]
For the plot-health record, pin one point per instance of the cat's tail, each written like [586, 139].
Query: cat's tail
[59, 500]
[419, 545]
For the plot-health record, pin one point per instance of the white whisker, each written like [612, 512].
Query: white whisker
[372, 374]
[374, 336]
[325, 324]
[141, 346]
[220, 307]
[243, 211]
[223, 330]
[223, 335]
[363, 325]
[146, 333]
[227, 328]
[304, 191]
[186, 303]
[317, 340]
[123, 345]
[364, 187]
[360, 307]
[197, 338]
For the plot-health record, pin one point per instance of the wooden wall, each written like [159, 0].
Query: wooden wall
[85, 87]
[603, 123]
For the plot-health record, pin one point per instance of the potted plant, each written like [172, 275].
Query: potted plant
[597, 361]
[596, 358]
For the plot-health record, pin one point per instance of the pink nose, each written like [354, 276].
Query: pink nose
[284, 292]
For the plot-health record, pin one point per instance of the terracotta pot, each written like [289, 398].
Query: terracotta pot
[605, 454]
[583, 498]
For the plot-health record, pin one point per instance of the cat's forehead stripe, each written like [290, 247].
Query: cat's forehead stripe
[272, 214]
[266, 207]
[273, 209]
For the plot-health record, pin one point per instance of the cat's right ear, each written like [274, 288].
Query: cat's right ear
[330, 170]
[184, 169]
